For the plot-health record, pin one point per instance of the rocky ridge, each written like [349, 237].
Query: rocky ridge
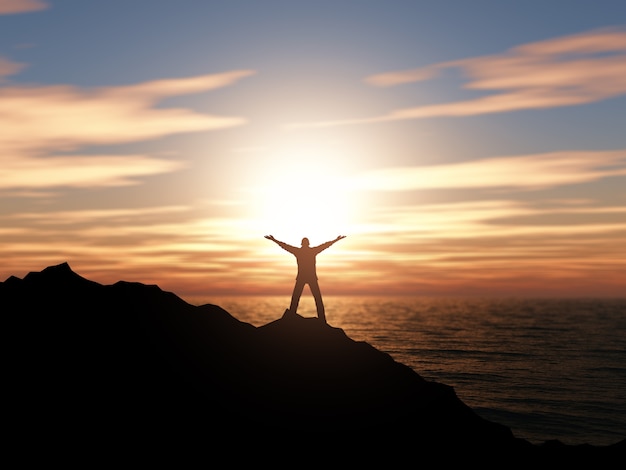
[131, 358]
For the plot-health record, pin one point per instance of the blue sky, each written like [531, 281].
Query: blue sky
[464, 148]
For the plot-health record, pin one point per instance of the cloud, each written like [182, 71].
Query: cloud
[39, 123]
[10, 7]
[9, 68]
[526, 172]
[157, 89]
[140, 241]
[404, 76]
[480, 220]
[64, 117]
[81, 171]
[566, 71]
[186, 251]
[105, 217]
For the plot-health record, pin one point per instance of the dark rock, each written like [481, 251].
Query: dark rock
[132, 360]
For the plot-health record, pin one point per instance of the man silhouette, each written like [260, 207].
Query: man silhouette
[307, 274]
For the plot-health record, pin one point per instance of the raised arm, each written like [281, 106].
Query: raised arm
[323, 246]
[283, 245]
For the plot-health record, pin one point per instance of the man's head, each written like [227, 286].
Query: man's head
[305, 242]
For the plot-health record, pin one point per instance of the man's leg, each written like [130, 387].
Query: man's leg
[317, 295]
[295, 296]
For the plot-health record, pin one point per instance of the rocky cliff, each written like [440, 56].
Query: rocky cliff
[129, 359]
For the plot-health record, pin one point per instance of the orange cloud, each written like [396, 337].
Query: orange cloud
[403, 248]
[38, 121]
[64, 117]
[10, 7]
[9, 68]
[521, 172]
[403, 76]
[81, 171]
[565, 71]
[482, 221]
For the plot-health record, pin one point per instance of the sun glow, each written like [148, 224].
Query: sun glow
[305, 203]
[309, 196]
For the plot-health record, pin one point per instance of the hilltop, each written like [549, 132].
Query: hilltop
[130, 359]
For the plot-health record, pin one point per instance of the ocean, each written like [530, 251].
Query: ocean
[546, 368]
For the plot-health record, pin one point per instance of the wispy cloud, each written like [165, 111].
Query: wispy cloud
[518, 172]
[492, 246]
[140, 241]
[566, 71]
[478, 222]
[102, 216]
[8, 67]
[405, 247]
[39, 123]
[66, 117]
[10, 7]
[81, 171]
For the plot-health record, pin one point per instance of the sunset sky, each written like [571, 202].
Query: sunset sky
[463, 147]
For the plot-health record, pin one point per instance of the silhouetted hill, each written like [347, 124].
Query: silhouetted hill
[129, 359]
